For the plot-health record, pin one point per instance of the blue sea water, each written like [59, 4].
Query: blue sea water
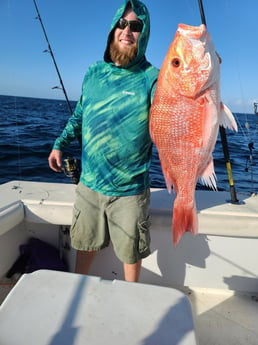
[29, 126]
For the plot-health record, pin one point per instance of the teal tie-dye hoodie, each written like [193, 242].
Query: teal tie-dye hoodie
[112, 118]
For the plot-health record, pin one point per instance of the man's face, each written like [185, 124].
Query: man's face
[123, 48]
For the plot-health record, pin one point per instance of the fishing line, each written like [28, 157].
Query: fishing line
[222, 133]
[72, 166]
[249, 138]
[53, 58]
[247, 130]
[17, 139]
[247, 134]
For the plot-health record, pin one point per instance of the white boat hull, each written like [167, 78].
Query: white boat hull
[217, 269]
[222, 256]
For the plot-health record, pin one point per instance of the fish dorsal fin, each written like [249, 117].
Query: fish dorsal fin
[227, 119]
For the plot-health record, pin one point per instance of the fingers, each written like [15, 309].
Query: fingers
[55, 160]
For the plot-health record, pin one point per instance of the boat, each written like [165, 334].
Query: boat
[216, 271]
[256, 108]
[204, 291]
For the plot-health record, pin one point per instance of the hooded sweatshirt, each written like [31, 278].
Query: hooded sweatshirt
[112, 118]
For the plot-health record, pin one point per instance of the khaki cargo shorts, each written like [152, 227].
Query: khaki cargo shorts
[99, 219]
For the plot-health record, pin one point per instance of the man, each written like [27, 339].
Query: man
[111, 116]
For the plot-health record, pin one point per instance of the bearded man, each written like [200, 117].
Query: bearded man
[112, 197]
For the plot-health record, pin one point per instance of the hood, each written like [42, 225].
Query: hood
[142, 13]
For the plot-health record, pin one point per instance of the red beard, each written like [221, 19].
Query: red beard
[122, 58]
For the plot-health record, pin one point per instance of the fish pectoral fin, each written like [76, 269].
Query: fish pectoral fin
[208, 177]
[227, 118]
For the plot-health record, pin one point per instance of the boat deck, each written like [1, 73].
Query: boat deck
[220, 316]
[223, 317]
[225, 310]
[6, 286]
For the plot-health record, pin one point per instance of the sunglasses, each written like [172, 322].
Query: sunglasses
[134, 25]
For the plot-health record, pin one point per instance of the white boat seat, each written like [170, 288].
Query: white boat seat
[54, 308]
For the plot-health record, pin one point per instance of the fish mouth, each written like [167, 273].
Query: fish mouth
[195, 32]
[204, 57]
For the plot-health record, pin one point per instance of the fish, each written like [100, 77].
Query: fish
[184, 121]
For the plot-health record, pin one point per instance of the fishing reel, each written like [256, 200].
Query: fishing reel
[72, 169]
[250, 160]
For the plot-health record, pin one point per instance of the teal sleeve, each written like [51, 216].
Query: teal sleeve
[153, 89]
[72, 129]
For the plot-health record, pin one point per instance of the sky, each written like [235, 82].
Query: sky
[77, 32]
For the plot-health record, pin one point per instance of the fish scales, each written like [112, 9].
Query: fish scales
[184, 120]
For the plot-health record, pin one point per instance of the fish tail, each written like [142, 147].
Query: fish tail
[184, 219]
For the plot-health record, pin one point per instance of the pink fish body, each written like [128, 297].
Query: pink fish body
[185, 118]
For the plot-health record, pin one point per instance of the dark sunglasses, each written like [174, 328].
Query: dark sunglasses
[134, 25]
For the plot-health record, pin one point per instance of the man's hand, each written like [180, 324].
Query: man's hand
[55, 160]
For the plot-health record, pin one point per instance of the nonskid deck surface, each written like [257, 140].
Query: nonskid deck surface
[224, 317]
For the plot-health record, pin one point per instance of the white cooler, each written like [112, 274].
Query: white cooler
[58, 308]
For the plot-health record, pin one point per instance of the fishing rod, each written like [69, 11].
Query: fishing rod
[223, 133]
[72, 166]
[53, 58]
[250, 161]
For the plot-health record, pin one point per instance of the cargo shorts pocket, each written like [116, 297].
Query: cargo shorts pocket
[76, 214]
[144, 236]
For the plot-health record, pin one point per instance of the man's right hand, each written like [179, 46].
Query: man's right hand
[55, 160]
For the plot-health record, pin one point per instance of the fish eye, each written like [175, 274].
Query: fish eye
[175, 62]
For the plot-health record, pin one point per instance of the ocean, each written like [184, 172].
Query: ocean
[29, 127]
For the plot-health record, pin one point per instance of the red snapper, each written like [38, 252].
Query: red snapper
[185, 118]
